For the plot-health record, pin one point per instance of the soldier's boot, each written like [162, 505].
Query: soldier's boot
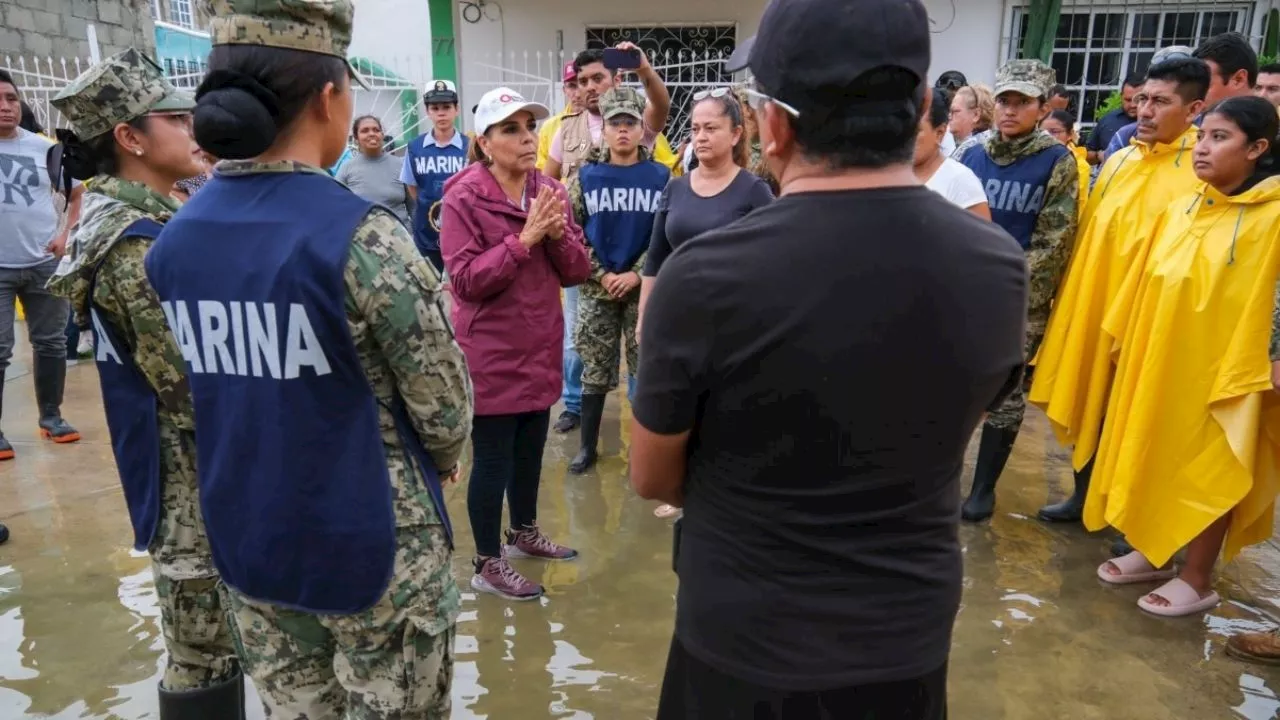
[592, 413]
[224, 701]
[993, 453]
[51, 379]
[6, 450]
[1071, 509]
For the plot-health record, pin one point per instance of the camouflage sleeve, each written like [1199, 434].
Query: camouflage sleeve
[397, 293]
[1275, 327]
[1052, 240]
[638, 266]
[124, 293]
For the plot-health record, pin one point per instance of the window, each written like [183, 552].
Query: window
[180, 13]
[155, 10]
[1094, 50]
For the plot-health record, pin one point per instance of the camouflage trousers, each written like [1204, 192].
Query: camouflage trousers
[602, 323]
[193, 607]
[393, 661]
[1008, 416]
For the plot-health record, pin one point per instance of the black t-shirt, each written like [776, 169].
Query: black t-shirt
[684, 214]
[832, 354]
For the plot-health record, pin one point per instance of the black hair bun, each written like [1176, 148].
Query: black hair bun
[234, 116]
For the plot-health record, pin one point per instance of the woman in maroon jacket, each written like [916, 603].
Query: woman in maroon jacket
[509, 244]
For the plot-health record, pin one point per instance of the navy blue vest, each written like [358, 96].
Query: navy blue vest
[132, 411]
[620, 204]
[431, 165]
[1015, 192]
[293, 477]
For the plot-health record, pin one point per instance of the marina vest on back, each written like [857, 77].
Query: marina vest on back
[1015, 192]
[620, 205]
[293, 477]
[132, 411]
[431, 166]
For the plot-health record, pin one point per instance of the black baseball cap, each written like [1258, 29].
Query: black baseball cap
[803, 45]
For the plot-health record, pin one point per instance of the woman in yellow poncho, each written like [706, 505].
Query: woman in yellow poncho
[1190, 453]
[1061, 125]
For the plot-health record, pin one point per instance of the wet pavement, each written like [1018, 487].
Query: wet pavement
[1038, 636]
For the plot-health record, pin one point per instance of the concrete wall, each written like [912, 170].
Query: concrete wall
[58, 28]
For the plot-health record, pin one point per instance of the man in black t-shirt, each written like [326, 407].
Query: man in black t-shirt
[810, 376]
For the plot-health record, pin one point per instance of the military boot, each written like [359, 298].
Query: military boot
[1071, 509]
[51, 379]
[592, 413]
[224, 701]
[993, 453]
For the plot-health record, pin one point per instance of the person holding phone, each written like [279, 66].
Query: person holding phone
[510, 244]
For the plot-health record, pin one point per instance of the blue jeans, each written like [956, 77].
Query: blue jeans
[572, 394]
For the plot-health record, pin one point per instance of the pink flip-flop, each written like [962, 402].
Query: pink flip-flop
[1134, 568]
[1183, 600]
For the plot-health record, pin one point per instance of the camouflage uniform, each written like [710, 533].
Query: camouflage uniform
[394, 660]
[1054, 234]
[191, 597]
[602, 318]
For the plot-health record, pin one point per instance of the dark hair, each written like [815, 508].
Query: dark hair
[5, 77]
[1135, 80]
[253, 93]
[940, 110]
[83, 159]
[1270, 69]
[868, 123]
[730, 108]
[1190, 74]
[1232, 53]
[587, 57]
[1059, 91]
[1067, 119]
[355, 126]
[28, 120]
[1256, 117]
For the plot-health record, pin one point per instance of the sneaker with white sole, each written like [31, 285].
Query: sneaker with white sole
[496, 577]
[531, 543]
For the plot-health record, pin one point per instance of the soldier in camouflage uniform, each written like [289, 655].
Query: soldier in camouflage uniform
[1033, 191]
[386, 652]
[614, 197]
[135, 129]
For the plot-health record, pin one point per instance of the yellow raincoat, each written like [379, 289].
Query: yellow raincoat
[1073, 368]
[1085, 172]
[1193, 426]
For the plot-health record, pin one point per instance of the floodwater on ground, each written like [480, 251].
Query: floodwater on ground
[1038, 636]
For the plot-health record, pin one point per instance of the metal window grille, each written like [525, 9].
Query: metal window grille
[1097, 46]
[180, 13]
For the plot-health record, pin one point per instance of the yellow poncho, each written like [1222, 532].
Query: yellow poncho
[1073, 368]
[1193, 426]
[1084, 172]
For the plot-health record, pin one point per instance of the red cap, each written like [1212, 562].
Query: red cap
[570, 72]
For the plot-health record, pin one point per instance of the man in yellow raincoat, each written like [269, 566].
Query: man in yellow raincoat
[1190, 456]
[1073, 370]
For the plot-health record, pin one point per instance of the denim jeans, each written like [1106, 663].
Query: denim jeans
[46, 313]
[572, 395]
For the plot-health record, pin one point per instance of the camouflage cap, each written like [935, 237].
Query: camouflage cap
[121, 88]
[318, 26]
[622, 101]
[1025, 77]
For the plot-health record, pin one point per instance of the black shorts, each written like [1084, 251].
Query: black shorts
[693, 690]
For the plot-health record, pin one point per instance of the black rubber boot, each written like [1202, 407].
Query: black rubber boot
[224, 701]
[592, 412]
[51, 379]
[1071, 509]
[4, 534]
[6, 450]
[993, 453]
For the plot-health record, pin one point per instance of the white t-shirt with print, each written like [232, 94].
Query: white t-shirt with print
[958, 184]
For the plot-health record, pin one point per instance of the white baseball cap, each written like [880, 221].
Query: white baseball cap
[501, 103]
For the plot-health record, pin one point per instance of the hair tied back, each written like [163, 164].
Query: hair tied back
[235, 115]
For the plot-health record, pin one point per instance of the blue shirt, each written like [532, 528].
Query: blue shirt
[1107, 127]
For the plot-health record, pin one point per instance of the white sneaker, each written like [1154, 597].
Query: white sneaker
[85, 347]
